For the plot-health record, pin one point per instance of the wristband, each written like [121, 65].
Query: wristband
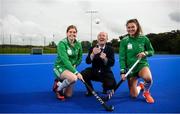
[146, 53]
[76, 72]
[123, 71]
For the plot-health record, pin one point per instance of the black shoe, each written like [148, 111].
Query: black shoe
[88, 94]
[104, 92]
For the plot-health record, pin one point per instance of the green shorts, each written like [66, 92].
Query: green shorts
[58, 71]
[136, 70]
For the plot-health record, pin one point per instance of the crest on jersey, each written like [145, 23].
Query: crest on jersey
[69, 51]
[129, 46]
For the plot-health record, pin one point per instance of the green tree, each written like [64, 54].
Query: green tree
[52, 44]
[115, 45]
[94, 42]
[167, 42]
[85, 45]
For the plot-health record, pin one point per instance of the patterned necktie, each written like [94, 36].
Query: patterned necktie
[101, 50]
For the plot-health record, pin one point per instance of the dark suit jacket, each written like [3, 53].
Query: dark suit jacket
[98, 65]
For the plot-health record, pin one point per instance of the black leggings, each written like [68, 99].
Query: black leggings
[107, 79]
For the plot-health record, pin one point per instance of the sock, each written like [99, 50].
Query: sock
[59, 83]
[138, 89]
[147, 85]
[63, 85]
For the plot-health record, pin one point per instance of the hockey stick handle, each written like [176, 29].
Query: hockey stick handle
[129, 71]
[134, 65]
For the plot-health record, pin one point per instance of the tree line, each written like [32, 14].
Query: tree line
[163, 43]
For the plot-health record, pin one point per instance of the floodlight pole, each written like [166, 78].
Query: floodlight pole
[91, 12]
[10, 39]
[44, 41]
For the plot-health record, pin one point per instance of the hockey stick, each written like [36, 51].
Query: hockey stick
[110, 94]
[108, 108]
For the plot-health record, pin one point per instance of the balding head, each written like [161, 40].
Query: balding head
[102, 38]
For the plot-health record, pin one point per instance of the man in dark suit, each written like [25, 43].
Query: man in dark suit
[102, 59]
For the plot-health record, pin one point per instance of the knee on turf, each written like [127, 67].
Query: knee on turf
[133, 95]
[68, 95]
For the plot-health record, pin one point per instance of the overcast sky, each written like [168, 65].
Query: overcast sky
[39, 21]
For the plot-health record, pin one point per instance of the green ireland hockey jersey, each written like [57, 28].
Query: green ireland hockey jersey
[130, 47]
[68, 56]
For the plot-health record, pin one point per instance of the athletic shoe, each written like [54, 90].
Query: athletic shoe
[105, 91]
[59, 94]
[148, 97]
[88, 94]
[141, 85]
[55, 86]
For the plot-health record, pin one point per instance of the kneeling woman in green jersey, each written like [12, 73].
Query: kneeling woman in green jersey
[134, 46]
[69, 55]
